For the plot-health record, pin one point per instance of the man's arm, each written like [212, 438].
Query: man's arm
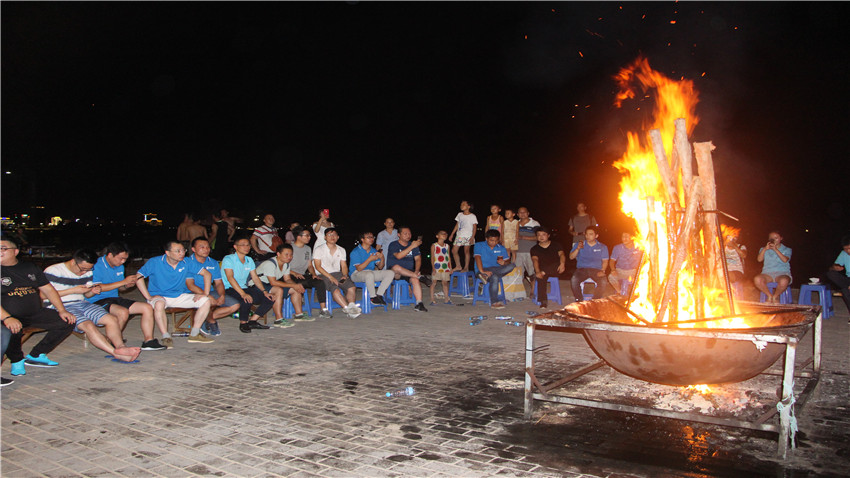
[563, 265]
[125, 284]
[143, 288]
[604, 267]
[11, 323]
[193, 288]
[480, 265]
[207, 280]
[254, 244]
[538, 271]
[235, 285]
[417, 261]
[53, 296]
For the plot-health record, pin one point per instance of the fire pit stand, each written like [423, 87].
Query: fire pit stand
[563, 320]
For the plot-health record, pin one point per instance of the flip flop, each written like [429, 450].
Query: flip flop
[121, 361]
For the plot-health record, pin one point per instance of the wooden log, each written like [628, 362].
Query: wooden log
[667, 177]
[652, 238]
[711, 234]
[682, 154]
[671, 281]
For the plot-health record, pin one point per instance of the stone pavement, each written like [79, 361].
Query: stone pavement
[309, 401]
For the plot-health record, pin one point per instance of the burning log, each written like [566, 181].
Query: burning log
[682, 156]
[667, 177]
[713, 240]
[654, 293]
[671, 283]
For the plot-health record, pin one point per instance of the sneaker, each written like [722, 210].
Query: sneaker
[420, 307]
[168, 342]
[284, 323]
[153, 344]
[205, 329]
[377, 301]
[215, 331]
[6, 381]
[353, 315]
[482, 277]
[254, 324]
[18, 368]
[544, 306]
[325, 314]
[200, 339]
[245, 328]
[40, 361]
[302, 317]
[425, 280]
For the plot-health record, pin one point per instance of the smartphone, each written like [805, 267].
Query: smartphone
[419, 238]
[327, 212]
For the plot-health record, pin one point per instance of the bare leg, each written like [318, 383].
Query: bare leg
[339, 299]
[277, 293]
[127, 354]
[350, 294]
[433, 286]
[297, 301]
[112, 329]
[466, 256]
[221, 312]
[782, 283]
[147, 320]
[445, 291]
[201, 313]
[159, 317]
[455, 250]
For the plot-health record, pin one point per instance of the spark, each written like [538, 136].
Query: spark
[580, 54]
[594, 33]
[672, 22]
[525, 37]
[703, 74]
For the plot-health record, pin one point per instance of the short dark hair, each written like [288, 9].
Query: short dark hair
[167, 246]
[85, 255]
[492, 233]
[542, 229]
[9, 238]
[330, 230]
[283, 246]
[845, 241]
[199, 238]
[116, 248]
[363, 234]
[591, 228]
[298, 230]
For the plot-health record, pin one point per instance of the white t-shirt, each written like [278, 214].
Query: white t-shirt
[466, 224]
[62, 279]
[330, 262]
[270, 268]
[264, 234]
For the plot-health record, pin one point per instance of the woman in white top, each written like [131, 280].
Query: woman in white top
[320, 226]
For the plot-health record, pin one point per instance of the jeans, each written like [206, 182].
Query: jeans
[586, 273]
[542, 284]
[496, 279]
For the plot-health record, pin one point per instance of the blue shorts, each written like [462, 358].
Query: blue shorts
[85, 311]
[228, 300]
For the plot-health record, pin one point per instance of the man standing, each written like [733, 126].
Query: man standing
[275, 274]
[329, 261]
[302, 270]
[367, 265]
[493, 262]
[405, 261]
[223, 303]
[109, 273]
[167, 275]
[21, 307]
[238, 267]
[549, 261]
[526, 239]
[625, 259]
[591, 263]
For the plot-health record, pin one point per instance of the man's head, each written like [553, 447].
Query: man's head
[331, 236]
[522, 212]
[367, 238]
[492, 236]
[223, 213]
[83, 261]
[117, 253]
[543, 234]
[284, 253]
[302, 236]
[242, 246]
[627, 239]
[201, 247]
[268, 220]
[775, 237]
[581, 208]
[590, 233]
[404, 234]
[389, 223]
[174, 251]
[8, 252]
[293, 226]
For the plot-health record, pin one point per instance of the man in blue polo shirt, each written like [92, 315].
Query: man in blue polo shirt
[492, 262]
[109, 273]
[167, 275]
[591, 262]
[367, 266]
[223, 303]
[625, 259]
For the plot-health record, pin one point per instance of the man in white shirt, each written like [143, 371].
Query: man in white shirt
[329, 261]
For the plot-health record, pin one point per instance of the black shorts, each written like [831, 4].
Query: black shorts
[109, 301]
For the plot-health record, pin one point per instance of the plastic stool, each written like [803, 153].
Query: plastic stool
[401, 294]
[485, 293]
[459, 283]
[825, 294]
[288, 308]
[584, 295]
[785, 298]
[552, 294]
[366, 304]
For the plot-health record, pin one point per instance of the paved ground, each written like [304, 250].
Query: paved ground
[309, 401]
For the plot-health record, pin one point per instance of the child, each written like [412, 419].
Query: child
[441, 266]
[465, 223]
[495, 220]
[511, 227]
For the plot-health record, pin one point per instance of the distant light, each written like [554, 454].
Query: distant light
[8, 172]
[807, 230]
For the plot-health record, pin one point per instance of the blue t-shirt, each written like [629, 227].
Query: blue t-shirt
[103, 273]
[844, 260]
[773, 265]
[358, 256]
[165, 280]
[627, 259]
[591, 257]
[241, 271]
[489, 257]
[408, 261]
[211, 265]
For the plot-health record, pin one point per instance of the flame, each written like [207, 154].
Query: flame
[702, 389]
[643, 195]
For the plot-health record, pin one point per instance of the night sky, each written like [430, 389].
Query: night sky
[112, 109]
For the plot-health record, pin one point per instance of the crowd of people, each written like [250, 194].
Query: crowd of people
[230, 273]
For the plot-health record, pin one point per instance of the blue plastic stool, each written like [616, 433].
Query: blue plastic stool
[825, 294]
[365, 304]
[288, 308]
[459, 283]
[584, 295]
[552, 294]
[401, 294]
[785, 298]
[485, 292]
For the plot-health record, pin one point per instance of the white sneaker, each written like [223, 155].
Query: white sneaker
[354, 315]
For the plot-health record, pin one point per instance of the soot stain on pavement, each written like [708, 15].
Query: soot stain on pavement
[351, 386]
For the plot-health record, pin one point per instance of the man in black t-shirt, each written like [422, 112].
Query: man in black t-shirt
[549, 261]
[20, 285]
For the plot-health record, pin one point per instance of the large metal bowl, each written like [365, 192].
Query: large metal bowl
[684, 359]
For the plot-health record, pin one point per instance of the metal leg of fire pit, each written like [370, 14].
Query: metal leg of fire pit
[786, 404]
[529, 369]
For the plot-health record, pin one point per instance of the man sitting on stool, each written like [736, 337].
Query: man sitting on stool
[591, 261]
[493, 263]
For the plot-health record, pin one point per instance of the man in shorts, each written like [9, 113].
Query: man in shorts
[21, 306]
[167, 275]
[776, 257]
[109, 274]
[405, 260]
[329, 261]
[221, 304]
[274, 273]
[72, 280]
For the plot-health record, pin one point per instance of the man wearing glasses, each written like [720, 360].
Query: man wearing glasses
[367, 265]
[302, 271]
[22, 307]
[72, 279]
[167, 275]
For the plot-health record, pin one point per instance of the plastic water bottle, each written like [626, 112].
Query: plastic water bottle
[180, 334]
[515, 323]
[474, 321]
[504, 317]
[405, 392]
